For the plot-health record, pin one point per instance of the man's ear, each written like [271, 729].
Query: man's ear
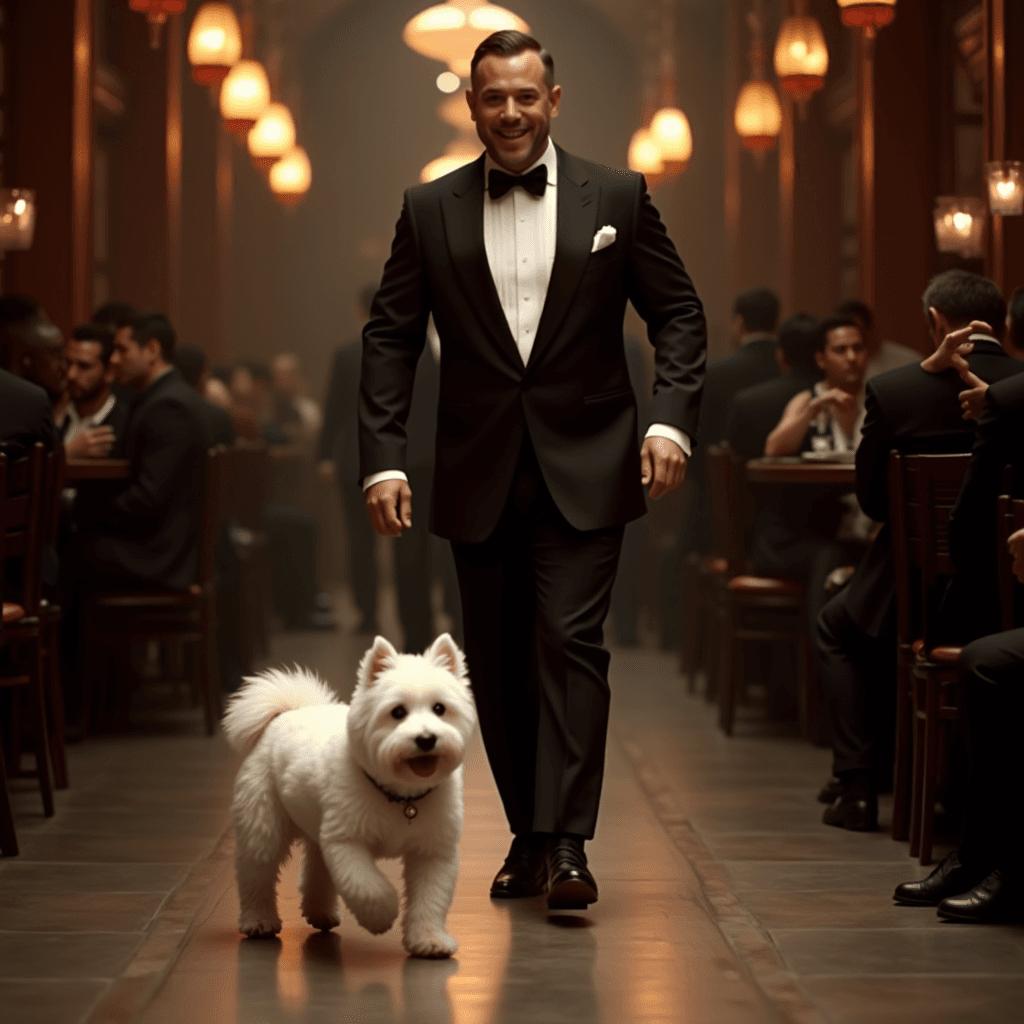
[555, 96]
[819, 360]
[471, 101]
[780, 360]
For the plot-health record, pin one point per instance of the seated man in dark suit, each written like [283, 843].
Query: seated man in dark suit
[913, 411]
[757, 410]
[25, 415]
[95, 418]
[32, 348]
[191, 361]
[755, 321]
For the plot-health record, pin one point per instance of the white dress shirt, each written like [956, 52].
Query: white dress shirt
[520, 232]
[72, 424]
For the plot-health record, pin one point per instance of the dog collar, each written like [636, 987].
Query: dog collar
[410, 810]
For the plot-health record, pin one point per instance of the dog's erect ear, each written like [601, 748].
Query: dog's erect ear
[445, 653]
[379, 658]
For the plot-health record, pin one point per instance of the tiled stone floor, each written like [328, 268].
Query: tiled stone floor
[723, 899]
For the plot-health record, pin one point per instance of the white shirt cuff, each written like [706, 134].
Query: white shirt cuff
[387, 474]
[673, 434]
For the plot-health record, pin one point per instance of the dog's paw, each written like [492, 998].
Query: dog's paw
[432, 943]
[377, 915]
[256, 926]
[322, 920]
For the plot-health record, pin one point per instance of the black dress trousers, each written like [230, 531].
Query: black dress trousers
[535, 596]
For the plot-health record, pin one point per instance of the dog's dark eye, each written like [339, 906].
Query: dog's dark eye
[399, 713]
[439, 710]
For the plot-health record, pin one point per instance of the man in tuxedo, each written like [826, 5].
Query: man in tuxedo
[757, 410]
[95, 418]
[913, 411]
[526, 258]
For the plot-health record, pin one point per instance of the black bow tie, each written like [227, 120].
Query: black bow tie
[498, 182]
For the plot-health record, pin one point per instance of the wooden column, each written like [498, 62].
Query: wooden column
[49, 149]
[172, 153]
[787, 208]
[865, 155]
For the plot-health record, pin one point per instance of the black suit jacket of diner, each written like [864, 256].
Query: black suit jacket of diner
[150, 530]
[26, 415]
[756, 410]
[915, 412]
[971, 606]
[573, 396]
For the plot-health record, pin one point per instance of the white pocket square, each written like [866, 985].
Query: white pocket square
[603, 238]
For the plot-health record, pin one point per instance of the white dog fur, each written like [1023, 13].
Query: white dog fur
[305, 777]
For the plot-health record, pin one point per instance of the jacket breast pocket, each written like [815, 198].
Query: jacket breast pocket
[607, 396]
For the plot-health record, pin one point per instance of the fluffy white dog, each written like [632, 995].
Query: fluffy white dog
[379, 779]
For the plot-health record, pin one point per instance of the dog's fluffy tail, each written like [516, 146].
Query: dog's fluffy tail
[267, 695]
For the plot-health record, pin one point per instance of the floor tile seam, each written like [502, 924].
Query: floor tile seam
[39, 980]
[949, 928]
[209, 871]
[103, 931]
[923, 975]
[735, 923]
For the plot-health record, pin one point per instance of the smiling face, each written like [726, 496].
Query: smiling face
[843, 358]
[512, 106]
[411, 715]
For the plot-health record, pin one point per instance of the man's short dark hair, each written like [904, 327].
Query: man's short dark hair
[191, 360]
[759, 308]
[146, 326]
[115, 314]
[18, 309]
[510, 43]
[259, 369]
[859, 310]
[830, 324]
[961, 296]
[102, 334]
[797, 339]
[366, 297]
[1016, 315]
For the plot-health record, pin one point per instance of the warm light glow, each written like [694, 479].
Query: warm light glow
[959, 225]
[867, 14]
[244, 95]
[214, 43]
[447, 81]
[1005, 187]
[465, 149]
[670, 132]
[271, 136]
[451, 31]
[455, 111]
[801, 57]
[758, 116]
[17, 218]
[644, 153]
[156, 12]
[291, 177]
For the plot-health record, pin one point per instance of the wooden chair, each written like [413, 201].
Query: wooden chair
[1009, 519]
[749, 607]
[701, 575]
[930, 485]
[117, 620]
[26, 517]
[8, 835]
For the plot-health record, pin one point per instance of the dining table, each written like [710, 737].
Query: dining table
[79, 470]
[795, 470]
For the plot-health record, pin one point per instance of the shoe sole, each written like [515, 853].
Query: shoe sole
[917, 903]
[516, 895]
[970, 919]
[572, 895]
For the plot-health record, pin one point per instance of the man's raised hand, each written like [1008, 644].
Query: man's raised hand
[389, 506]
[662, 465]
[973, 399]
[950, 354]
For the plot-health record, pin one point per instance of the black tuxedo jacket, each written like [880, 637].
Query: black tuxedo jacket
[756, 410]
[915, 412]
[573, 396]
[26, 415]
[971, 608]
[150, 530]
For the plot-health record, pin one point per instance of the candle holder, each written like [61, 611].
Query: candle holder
[1005, 187]
[17, 218]
[959, 226]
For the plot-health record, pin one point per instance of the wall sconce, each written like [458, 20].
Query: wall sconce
[244, 95]
[645, 155]
[869, 15]
[291, 177]
[959, 226]
[17, 218]
[214, 44]
[1005, 187]
[271, 136]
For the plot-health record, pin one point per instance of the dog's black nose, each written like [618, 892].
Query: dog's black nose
[427, 741]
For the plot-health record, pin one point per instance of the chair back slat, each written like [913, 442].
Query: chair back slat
[903, 561]
[26, 522]
[728, 499]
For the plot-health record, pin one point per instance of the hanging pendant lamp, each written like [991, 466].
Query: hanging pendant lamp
[801, 57]
[271, 136]
[244, 95]
[214, 43]
[291, 177]
[156, 12]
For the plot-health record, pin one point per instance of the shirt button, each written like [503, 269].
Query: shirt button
[522, 220]
[526, 298]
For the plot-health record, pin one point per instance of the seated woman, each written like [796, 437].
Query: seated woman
[827, 417]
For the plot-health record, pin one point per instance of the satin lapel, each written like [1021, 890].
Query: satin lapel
[463, 212]
[577, 217]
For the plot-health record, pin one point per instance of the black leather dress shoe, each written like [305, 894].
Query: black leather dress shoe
[830, 792]
[856, 809]
[950, 878]
[989, 902]
[571, 886]
[524, 872]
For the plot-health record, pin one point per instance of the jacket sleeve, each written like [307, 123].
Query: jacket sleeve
[170, 451]
[333, 411]
[873, 459]
[392, 343]
[663, 294]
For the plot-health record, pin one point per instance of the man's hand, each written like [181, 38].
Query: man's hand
[93, 443]
[972, 401]
[950, 354]
[1016, 546]
[834, 398]
[389, 505]
[662, 465]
